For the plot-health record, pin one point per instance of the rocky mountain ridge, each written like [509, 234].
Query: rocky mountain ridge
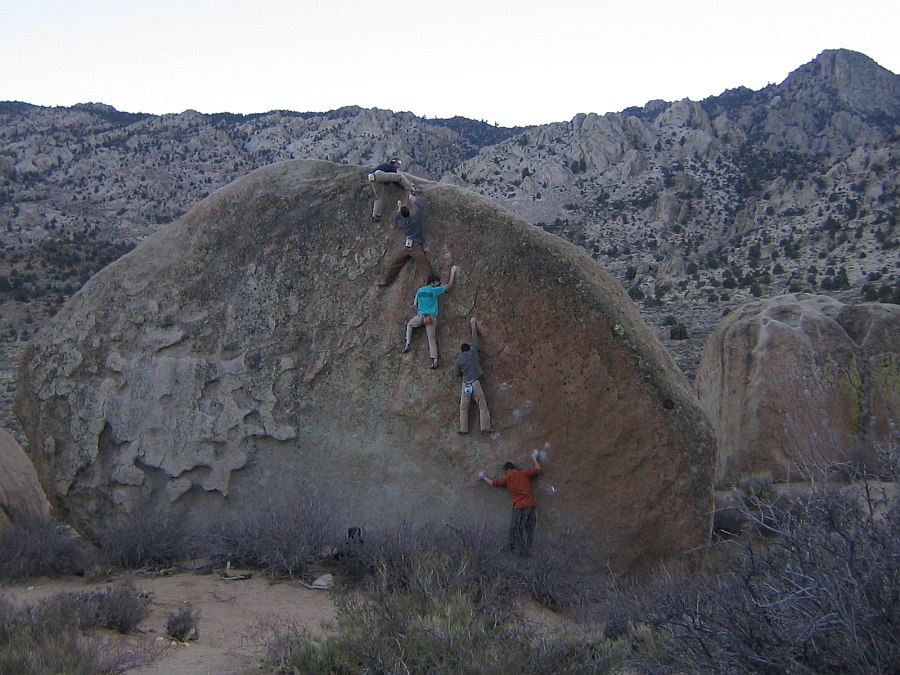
[695, 207]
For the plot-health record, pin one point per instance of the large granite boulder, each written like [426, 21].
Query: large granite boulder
[798, 383]
[21, 494]
[245, 349]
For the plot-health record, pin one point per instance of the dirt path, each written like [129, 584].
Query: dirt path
[231, 613]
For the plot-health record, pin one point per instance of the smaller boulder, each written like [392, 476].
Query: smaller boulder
[21, 494]
[801, 383]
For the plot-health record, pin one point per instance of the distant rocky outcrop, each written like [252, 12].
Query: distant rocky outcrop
[798, 383]
[245, 349]
[21, 494]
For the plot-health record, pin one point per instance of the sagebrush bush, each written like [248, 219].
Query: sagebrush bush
[35, 653]
[39, 546]
[758, 486]
[151, 540]
[283, 535]
[120, 608]
[53, 635]
[441, 615]
[444, 599]
[184, 624]
[818, 595]
[552, 576]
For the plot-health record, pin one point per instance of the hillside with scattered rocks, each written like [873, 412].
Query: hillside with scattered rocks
[696, 207]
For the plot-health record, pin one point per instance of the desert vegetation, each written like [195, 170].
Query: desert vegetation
[58, 635]
[444, 600]
[805, 584]
[37, 546]
[795, 580]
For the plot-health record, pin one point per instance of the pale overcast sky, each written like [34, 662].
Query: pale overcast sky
[515, 62]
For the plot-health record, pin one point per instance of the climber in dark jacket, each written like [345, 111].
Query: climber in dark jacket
[409, 221]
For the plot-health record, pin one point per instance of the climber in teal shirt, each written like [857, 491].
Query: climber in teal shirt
[427, 312]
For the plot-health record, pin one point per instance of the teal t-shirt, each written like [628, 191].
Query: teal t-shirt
[427, 299]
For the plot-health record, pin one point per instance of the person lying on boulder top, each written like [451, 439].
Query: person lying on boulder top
[388, 172]
[427, 312]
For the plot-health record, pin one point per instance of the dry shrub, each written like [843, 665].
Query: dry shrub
[552, 575]
[52, 636]
[757, 486]
[40, 547]
[149, 541]
[444, 599]
[282, 535]
[120, 608]
[184, 624]
[442, 620]
[818, 594]
[27, 651]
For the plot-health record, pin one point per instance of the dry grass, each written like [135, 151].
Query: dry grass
[818, 593]
[56, 634]
[40, 547]
[445, 599]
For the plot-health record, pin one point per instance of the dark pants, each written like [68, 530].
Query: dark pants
[521, 530]
[415, 252]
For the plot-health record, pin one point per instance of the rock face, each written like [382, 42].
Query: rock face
[800, 382]
[21, 494]
[245, 349]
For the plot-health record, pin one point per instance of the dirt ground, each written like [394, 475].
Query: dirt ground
[231, 613]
